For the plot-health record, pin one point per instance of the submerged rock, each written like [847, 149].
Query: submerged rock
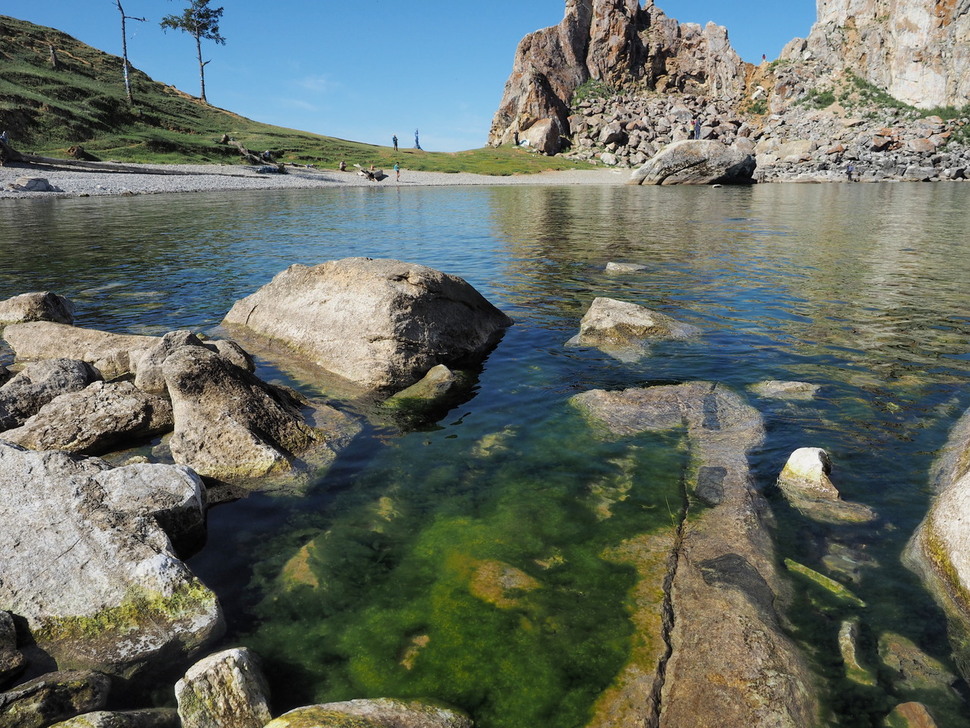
[40, 306]
[381, 324]
[225, 690]
[39, 383]
[95, 420]
[624, 267]
[623, 329]
[775, 389]
[806, 484]
[696, 162]
[232, 427]
[377, 713]
[65, 520]
[730, 661]
[111, 354]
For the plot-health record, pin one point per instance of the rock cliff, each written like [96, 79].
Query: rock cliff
[621, 45]
[917, 50]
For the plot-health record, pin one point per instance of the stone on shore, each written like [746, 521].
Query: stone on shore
[39, 306]
[696, 162]
[53, 697]
[381, 324]
[130, 602]
[232, 427]
[377, 713]
[147, 718]
[111, 354]
[95, 420]
[624, 330]
[806, 484]
[730, 662]
[224, 690]
[148, 368]
[39, 383]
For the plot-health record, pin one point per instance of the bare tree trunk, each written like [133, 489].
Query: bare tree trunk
[54, 63]
[198, 52]
[124, 49]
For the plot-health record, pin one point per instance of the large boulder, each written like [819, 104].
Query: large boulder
[40, 306]
[381, 324]
[727, 658]
[378, 713]
[232, 427]
[95, 420]
[53, 697]
[111, 354]
[696, 162]
[37, 384]
[131, 604]
[939, 550]
[224, 690]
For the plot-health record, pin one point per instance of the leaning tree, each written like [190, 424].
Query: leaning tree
[200, 21]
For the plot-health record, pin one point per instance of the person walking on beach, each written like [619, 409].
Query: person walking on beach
[397, 171]
[394, 139]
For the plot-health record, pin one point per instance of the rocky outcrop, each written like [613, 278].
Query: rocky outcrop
[225, 690]
[918, 51]
[381, 324]
[696, 162]
[39, 383]
[233, 427]
[131, 602]
[99, 418]
[619, 44]
[111, 354]
[40, 306]
[379, 713]
[728, 660]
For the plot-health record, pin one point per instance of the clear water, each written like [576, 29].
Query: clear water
[860, 289]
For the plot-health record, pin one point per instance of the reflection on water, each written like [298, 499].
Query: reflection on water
[857, 288]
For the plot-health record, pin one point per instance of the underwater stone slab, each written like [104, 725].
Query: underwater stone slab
[377, 713]
[731, 662]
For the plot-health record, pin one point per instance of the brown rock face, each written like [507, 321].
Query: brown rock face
[624, 46]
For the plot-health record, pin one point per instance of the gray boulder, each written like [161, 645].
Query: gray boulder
[378, 713]
[53, 697]
[806, 484]
[730, 660]
[39, 306]
[624, 329]
[232, 427]
[224, 690]
[939, 550]
[11, 659]
[696, 162]
[131, 602]
[148, 368]
[111, 354]
[99, 418]
[32, 184]
[381, 324]
[38, 384]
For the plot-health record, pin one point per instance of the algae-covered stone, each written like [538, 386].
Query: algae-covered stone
[53, 697]
[830, 585]
[849, 647]
[910, 715]
[378, 713]
[225, 690]
[148, 718]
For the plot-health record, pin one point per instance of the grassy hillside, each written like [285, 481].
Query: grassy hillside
[47, 110]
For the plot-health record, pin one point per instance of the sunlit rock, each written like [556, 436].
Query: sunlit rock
[806, 484]
[41, 306]
[377, 713]
[776, 389]
[37, 384]
[224, 690]
[696, 162]
[624, 329]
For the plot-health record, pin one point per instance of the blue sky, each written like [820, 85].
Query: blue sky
[367, 69]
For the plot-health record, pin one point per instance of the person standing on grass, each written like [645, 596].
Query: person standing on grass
[394, 140]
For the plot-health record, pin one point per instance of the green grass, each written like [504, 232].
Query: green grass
[82, 102]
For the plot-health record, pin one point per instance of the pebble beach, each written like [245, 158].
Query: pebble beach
[159, 179]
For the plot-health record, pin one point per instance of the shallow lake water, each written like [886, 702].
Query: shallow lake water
[371, 582]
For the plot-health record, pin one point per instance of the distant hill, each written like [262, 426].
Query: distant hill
[47, 109]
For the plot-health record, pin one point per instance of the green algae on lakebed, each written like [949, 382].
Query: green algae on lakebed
[482, 582]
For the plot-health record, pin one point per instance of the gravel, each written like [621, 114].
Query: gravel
[158, 179]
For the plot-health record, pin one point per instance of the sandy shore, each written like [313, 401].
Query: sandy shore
[204, 178]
